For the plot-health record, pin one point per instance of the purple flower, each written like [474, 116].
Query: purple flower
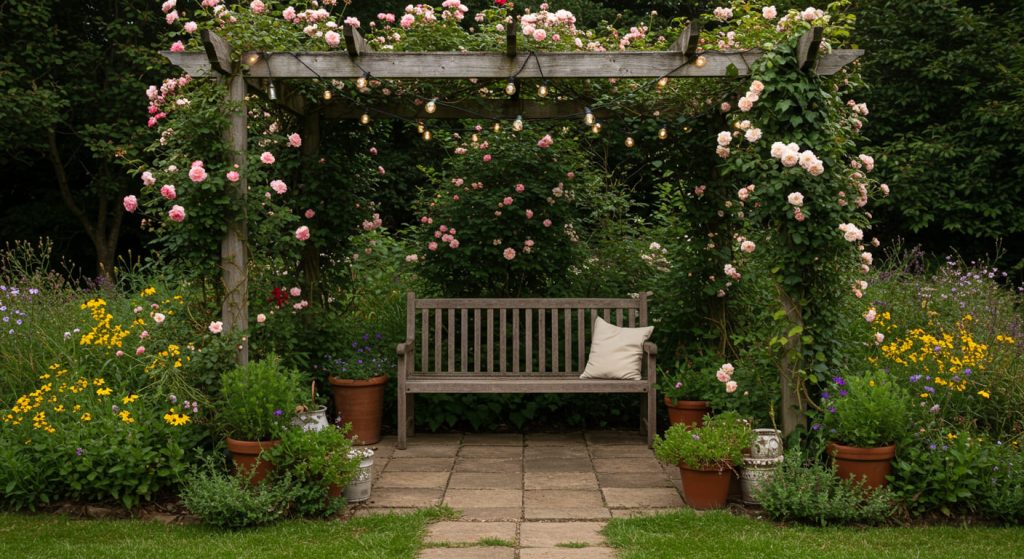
[831, 409]
[967, 372]
[816, 427]
[839, 381]
[934, 409]
[843, 392]
[79, 451]
[173, 399]
[825, 395]
[695, 436]
[933, 446]
[278, 413]
[929, 390]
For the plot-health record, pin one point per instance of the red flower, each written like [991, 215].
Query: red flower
[279, 297]
[500, 2]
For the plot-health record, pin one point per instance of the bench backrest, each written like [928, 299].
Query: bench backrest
[515, 337]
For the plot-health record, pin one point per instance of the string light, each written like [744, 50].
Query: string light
[662, 134]
[510, 87]
[272, 92]
[630, 142]
[419, 127]
[431, 107]
[427, 135]
[662, 82]
[364, 119]
[700, 62]
[327, 95]
[475, 138]
[497, 127]
[588, 117]
[686, 129]
[517, 124]
[361, 81]
[596, 129]
[542, 90]
[251, 58]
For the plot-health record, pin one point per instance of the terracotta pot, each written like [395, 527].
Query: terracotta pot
[706, 488]
[871, 464]
[246, 455]
[690, 412]
[361, 403]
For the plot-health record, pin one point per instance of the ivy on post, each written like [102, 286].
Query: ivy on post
[233, 255]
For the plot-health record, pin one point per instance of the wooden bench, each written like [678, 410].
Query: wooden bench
[512, 346]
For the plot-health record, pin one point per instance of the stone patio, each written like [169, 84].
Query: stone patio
[529, 497]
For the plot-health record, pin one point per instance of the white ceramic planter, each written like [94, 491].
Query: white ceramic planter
[358, 490]
[760, 466]
[314, 420]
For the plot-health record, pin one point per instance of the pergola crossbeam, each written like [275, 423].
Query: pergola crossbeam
[355, 44]
[468, 109]
[687, 41]
[218, 52]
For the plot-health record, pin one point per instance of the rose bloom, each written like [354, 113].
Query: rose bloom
[756, 87]
[216, 327]
[722, 152]
[197, 174]
[140, 350]
[545, 142]
[816, 169]
[177, 213]
[487, 157]
[509, 253]
[723, 376]
[795, 199]
[870, 315]
[769, 12]
[753, 134]
[432, 246]
[294, 140]
[879, 337]
[748, 246]
[267, 158]
[731, 386]
[131, 203]
[540, 35]
[309, 213]
[295, 291]
[148, 179]
[261, 318]
[278, 186]
[743, 193]
[507, 201]
[302, 233]
[177, 46]
[233, 176]
[724, 138]
[332, 38]
[790, 158]
[168, 191]
[159, 318]
[778, 148]
[191, 27]
[257, 6]
[745, 104]
[412, 258]
[547, 223]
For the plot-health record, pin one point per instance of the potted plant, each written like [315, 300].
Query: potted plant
[688, 388]
[311, 415]
[705, 456]
[254, 408]
[358, 377]
[864, 416]
[319, 464]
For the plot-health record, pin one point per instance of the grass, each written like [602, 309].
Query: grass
[374, 536]
[721, 535]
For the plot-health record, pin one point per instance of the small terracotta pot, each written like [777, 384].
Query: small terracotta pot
[690, 412]
[361, 403]
[706, 488]
[871, 464]
[246, 455]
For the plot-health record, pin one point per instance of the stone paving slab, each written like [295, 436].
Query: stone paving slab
[563, 513]
[433, 438]
[645, 479]
[433, 480]
[420, 464]
[492, 514]
[554, 464]
[636, 498]
[621, 451]
[489, 465]
[556, 452]
[470, 532]
[483, 480]
[405, 497]
[567, 553]
[616, 437]
[569, 498]
[467, 498]
[495, 451]
[431, 450]
[554, 439]
[550, 534]
[560, 480]
[630, 513]
[626, 465]
[514, 439]
[468, 553]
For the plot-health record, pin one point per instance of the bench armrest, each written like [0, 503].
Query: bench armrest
[650, 348]
[405, 347]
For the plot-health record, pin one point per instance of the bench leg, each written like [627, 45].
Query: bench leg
[402, 417]
[652, 416]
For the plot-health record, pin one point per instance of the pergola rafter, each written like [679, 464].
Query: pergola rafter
[249, 72]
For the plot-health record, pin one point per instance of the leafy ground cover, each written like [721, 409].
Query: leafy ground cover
[385, 535]
[722, 535]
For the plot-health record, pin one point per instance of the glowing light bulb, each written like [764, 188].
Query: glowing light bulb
[630, 142]
[420, 128]
[427, 135]
[662, 134]
[364, 119]
[327, 95]
[542, 90]
[251, 58]
[510, 87]
[700, 62]
[474, 138]
[662, 82]
[497, 127]
[517, 124]
[686, 129]
[272, 93]
[596, 129]
[361, 81]
[588, 118]
[431, 107]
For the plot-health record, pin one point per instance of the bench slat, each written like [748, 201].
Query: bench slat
[541, 341]
[437, 340]
[554, 340]
[581, 334]
[425, 341]
[529, 341]
[515, 341]
[472, 383]
[451, 340]
[568, 340]
[502, 343]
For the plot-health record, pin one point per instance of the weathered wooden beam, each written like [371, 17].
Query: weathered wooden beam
[468, 108]
[807, 48]
[687, 41]
[218, 52]
[355, 44]
[287, 97]
[234, 259]
[511, 33]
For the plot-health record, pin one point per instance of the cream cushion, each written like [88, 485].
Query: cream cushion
[616, 353]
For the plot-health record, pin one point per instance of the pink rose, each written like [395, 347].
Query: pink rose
[168, 191]
[529, 214]
[295, 291]
[257, 7]
[310, 213]
[380, 170]
[131, 203]
[140, 350]
[547, 223]
[171, 17]
[407, 21]
[159, 318]
[724, 138]
[233, 176]
[540, 35]
[723, 376]
[753, 134]
[795, 199]
[278, 186]
[487, 157]
[302, 233]
[261, 318]
[507, 201]
[267, 157]
[373, 151]
[748, 246]
[756, 86]
[332, 38]
[177, 46]
[726, 107]
[216, 327]
[288, 14]
[790, 158]
[177, 213]
[190, 27]
[769, 12]
[197, 174]
[353, 22]
[294, 140]
[148, 179]
[454, 243]
[520, 187]
[745, 104]
[545, 142]
[879, 337]
[731, 386]
[509, 253]
[432, 246]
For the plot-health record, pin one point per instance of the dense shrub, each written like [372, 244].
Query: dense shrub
[231, 502]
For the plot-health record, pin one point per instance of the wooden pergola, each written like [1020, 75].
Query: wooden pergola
[247, 72]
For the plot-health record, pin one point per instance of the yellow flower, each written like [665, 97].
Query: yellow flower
[951, 436]
[984, 394]
[86, 416]
[104, 392]
[126, 416]
[924, 394]
[98, 382]
[871, 383]
[176, 419]
[148, 291]
[129, 399]
[59, 408]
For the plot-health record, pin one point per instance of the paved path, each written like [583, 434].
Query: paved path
[539, 496]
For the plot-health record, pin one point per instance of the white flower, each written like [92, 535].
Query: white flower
[724, 138]
[795, 199]
[790, 158]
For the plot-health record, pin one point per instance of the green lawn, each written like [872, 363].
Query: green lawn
[720, 535]
[52, 537]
